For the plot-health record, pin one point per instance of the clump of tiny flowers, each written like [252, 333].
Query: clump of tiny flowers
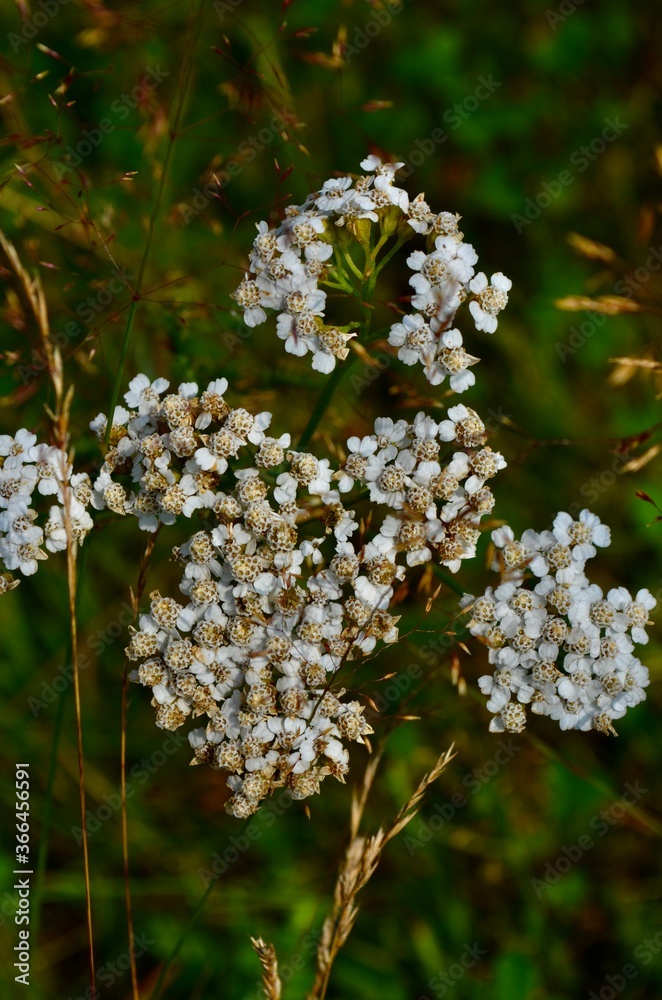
[556, 642]
[436, 500]
[41, 504]
[167, 451]
[280, 588]
[309, 248]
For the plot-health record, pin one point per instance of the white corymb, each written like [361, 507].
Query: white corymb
[279, 589]
[556, 642]
[294, 561]
[289, 264]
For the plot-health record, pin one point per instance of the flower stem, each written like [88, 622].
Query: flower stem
[165, 969]
[352, 266]
[387, 256]
[322, 403]
[185, 77]
[367, 286]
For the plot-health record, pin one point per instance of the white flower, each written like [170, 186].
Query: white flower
[384, 176]
[52, 468]
[288, 263]
[121, 418]
[55, 529]
[255, 297]
[450, 264]
[424, 428]
[360, 449]
[438, 304]
[16, 483]
[584, 534]
[415, 340]
[333, 194]
[389, 431]
[358, 206]
[455, 415]
[635, 611]
[490, 299]
[321, 484]
[143, 395]
[451, 359]
[420, 215]
[15, 450]
[300, 231]
[388, 476]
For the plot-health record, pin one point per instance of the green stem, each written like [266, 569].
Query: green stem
[44, 833]
[325, 398]
[372, 256]
[340, 288]
[120, 369]
[368, 281]
[187, 70]
[180, 941]
[352, 266]
[386, 258]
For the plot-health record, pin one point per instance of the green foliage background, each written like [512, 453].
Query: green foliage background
[232, 67]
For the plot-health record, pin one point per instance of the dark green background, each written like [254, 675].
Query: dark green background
[560, 76]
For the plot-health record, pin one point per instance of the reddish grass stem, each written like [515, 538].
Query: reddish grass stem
[135, 601]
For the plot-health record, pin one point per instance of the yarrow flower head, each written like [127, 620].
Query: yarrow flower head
[279, 587]
[312, 248]
[294, 562]
[283, 583]
[556, 642]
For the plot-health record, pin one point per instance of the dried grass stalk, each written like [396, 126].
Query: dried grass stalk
[359, 864]
[34, 293]
[271, 983]
[59, 416]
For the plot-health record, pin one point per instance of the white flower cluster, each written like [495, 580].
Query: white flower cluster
[280, 587]
[437, 508]
[443, 280]
[271, 610]
[559, 645]
[288, 264]
[174, 448]
[29, 471]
